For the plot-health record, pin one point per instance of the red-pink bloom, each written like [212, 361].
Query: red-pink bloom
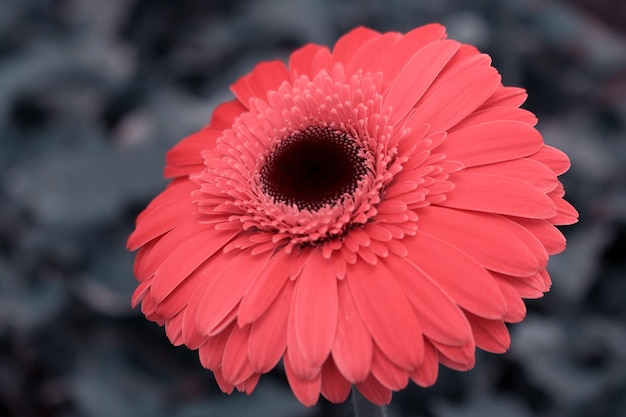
[363, 214]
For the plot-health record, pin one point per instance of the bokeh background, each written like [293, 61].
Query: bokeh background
[93, 93]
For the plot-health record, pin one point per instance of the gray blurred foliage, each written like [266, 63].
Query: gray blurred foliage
[93, 93]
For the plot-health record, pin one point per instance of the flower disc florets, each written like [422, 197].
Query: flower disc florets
[307, 163]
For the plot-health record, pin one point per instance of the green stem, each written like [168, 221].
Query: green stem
[364, 408]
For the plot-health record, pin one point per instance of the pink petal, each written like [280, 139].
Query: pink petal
[368, 56]
[235, 364]
[188, 256]
[349, 43]
[490, 335]
[455, 357]
[407, 46]
[500, 195]
[551, 238]
[506, 96]
[224, 116]
[305, 390]
[315, 311]
[301, 367]
[352, 350]
[515, 307]
[265, 288]
[528, 238]
[450, 99]
[173, 171]
[387, 373]
[553, 158]
[496, 113]
[173, 329]
[566, 214]
[249, 384]
[386, 313]
[426, 375]
[301, 61]
[407, 89]
[201, 279]
[225, 386]
[187, 154]
[464, 280]
[140, 292]
[268, 337]
[525, 170]
[374, 391]
[438, 314]
[226, 291]
[491, 142]
[526, 287]
[485, 238]
[140, 261]
[162, 214]
[212, 351]
[335, 388]
[168, 244]
[180, 296]
[148, 308]
[265, 77]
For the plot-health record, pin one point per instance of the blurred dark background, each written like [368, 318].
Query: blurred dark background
[93, 93]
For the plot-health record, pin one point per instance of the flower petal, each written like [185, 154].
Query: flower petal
[347, 45]
[515, 308]
[526, 170]
[372, 52]
[167, 244]
[265, 77]
[386, 313]
[406, 47]
[406, 89]
[549, 236]
[315, 311]
[439, 316]
[224, 115]
[265, 287]
[374, 391]
[501, 195]
[450, 99]
[235, 364]
[334, 386]
[268, 337]
[226, 290]
[426, 375]
[490, 142]
[457, 358]
[352, 349]
[305, 390]
[212, 351]
[553, 158]
[185, 158]
[491, 114]
[490, 335]
[302, 61]
[188, 256]
[388, 373]
[464, 280]
[482, 237]
[506, 96]
[163, 214]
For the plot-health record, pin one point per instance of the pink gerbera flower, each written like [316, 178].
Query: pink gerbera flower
[362, 214]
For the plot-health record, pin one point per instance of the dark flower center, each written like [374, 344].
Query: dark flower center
[313, 168]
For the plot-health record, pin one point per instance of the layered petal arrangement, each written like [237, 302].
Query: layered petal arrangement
[362, 215]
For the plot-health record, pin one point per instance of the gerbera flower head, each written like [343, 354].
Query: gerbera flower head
[362, 214]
